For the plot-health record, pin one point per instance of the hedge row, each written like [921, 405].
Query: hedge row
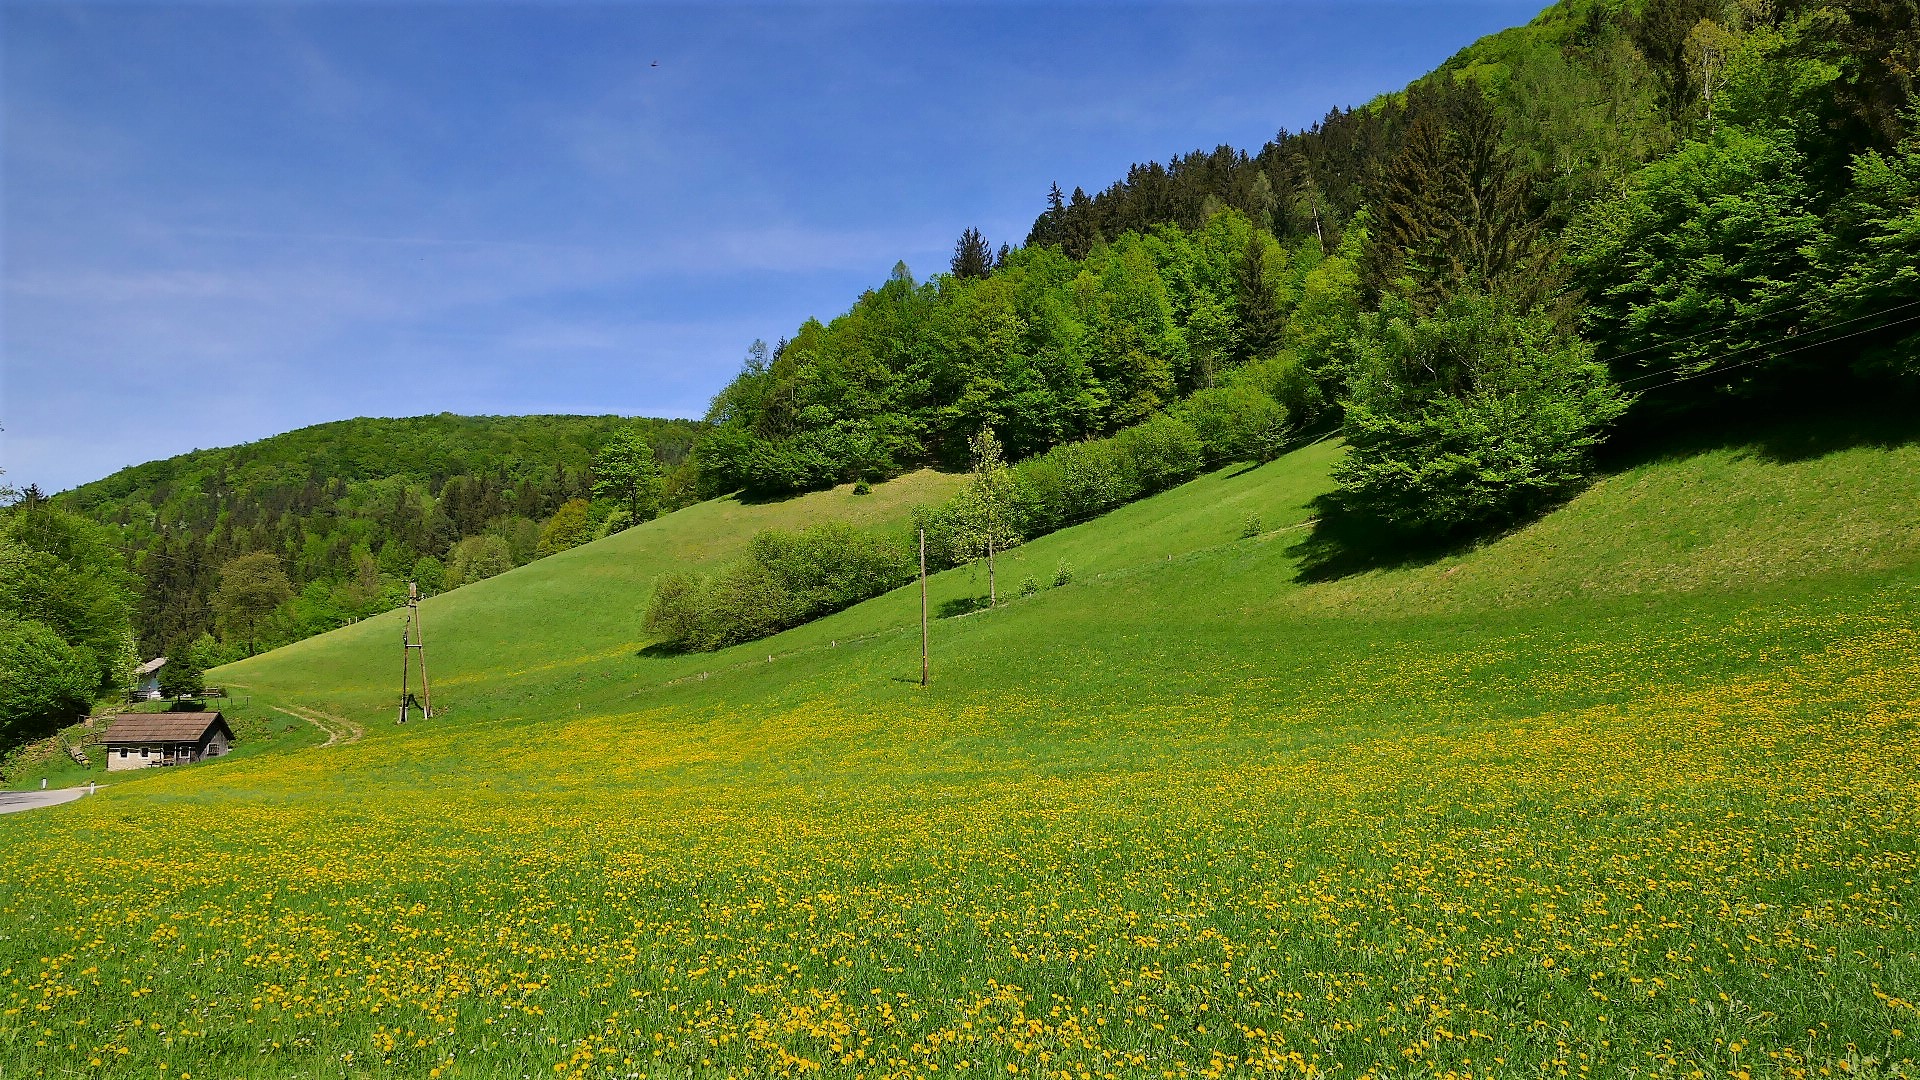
[1081, 480]
[785, 580]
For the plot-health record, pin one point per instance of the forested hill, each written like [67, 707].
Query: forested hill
[352, 510]
[1584, 94]
[1622, 211]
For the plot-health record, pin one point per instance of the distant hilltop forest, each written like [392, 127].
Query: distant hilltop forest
[1621, 219]
[348, 512]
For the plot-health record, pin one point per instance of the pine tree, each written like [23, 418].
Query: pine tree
[1048, 228]
[1260, 200]
[1079, 232]
[1260, 319]
[1454, 210]
[972, 257]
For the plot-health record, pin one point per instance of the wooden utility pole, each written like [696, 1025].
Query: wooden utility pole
[413, 636]
[923, 607]
[420, 633]
[406, 664]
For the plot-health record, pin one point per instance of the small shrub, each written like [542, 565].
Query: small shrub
[863, 488]
[615, 521]
[1270, 441]
[1063, 573]
[677, 609]
[1253, 527]
[1159, 454]
[1233, 421]
[1028, 586]
[1078, 481]
[1286, 379]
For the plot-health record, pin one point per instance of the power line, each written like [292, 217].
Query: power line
[1786, 338]
[1786, 352]
[1808, 302]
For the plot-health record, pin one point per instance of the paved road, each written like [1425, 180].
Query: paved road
[30, 800]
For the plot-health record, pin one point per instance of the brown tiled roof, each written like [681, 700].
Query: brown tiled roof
[164, 727]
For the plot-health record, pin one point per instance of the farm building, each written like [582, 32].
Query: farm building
[149, 740]
[147, 688]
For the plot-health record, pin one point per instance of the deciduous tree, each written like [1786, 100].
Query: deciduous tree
[477, 558]
[1470, 418]
[45, 682]
[985, 521]
[569, 527]
[251, 587]
[68, 573]
[625, 472]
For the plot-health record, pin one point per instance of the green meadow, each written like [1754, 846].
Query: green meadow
[1631, 791]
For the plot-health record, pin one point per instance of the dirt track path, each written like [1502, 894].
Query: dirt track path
[340, 730]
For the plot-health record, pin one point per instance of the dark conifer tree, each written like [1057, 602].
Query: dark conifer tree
[1877, 90]
[1455, 210]
[1416, 205]
[1079, 232]
[1260, 320]
[1047, 228]
[972, 257]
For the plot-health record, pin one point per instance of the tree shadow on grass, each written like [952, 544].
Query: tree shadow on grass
[1784, 429]
[1344, 542]
[764, 498]
[962, 605]
[664, 650]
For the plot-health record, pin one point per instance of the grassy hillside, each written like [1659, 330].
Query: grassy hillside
[1630, 791]
[562, 614]
[556, 615]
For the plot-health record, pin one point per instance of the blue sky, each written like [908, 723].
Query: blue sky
[220, 221]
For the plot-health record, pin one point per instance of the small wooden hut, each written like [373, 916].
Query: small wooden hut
[151, 740]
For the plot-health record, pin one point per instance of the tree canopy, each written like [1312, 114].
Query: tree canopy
[353, 510]
[252, 586]
[66, 618]
[626, 473]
